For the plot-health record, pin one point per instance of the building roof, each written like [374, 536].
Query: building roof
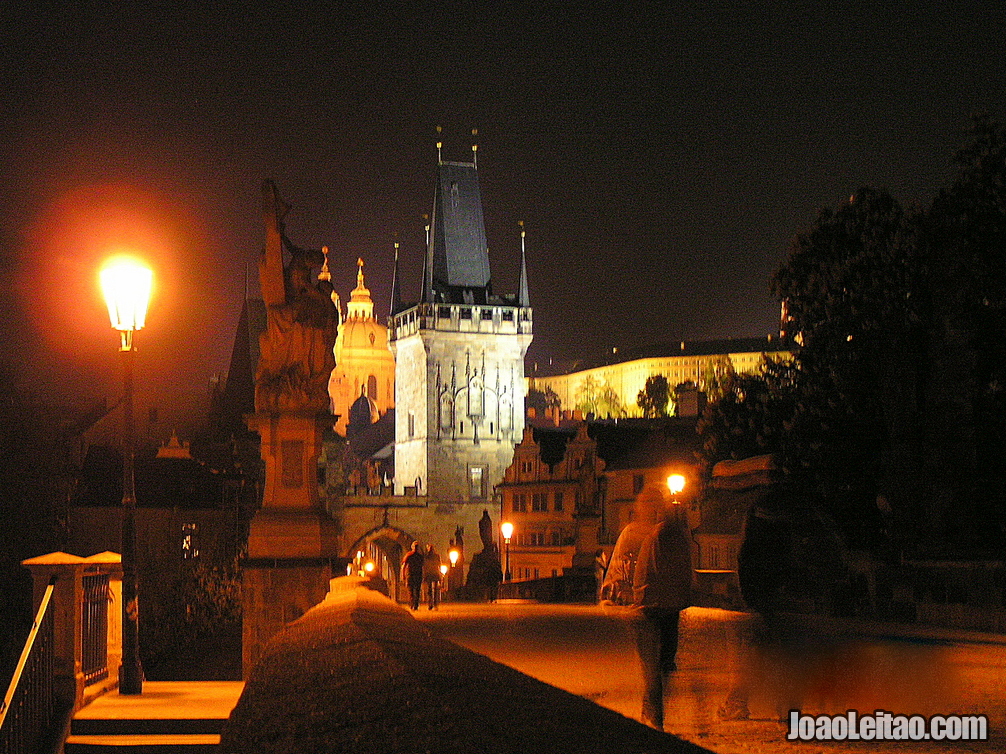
[458, 256]
[238, 395]
[627, 444]
[160, 482]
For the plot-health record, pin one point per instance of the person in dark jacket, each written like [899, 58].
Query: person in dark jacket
[432, 576]
[412, 572]
[662, 588]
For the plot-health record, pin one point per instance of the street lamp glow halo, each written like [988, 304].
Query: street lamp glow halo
[675, 483]
[506, 529]
[126, 283]
[454, 555]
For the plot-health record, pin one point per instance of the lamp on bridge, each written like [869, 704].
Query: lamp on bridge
[126, 285]
[506, 529]
[454, 555]
[675, 483]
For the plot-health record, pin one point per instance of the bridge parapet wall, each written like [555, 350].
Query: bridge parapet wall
[359, 673]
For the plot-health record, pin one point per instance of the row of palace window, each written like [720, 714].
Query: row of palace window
[542, 539]
[539, 501]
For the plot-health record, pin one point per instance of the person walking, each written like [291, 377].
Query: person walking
[412, 573]
[662, 588]
[432, 575]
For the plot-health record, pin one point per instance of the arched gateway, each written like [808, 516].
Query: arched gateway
[384, 546]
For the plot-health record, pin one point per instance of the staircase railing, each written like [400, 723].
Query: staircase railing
[29, 705]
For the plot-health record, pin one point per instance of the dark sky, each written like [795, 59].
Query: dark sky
[662, 156]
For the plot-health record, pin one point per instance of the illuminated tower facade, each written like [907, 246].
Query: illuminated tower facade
[363, 363]
[459, 356]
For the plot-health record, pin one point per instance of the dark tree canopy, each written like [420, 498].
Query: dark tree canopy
[654, 397]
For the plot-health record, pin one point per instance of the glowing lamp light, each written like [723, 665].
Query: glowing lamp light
[506, 529]
[453, 555]
[126, 284]
[675, 483]
[443, 569]
[368, 567]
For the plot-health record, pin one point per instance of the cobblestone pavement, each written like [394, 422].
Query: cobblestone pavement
[589, 651]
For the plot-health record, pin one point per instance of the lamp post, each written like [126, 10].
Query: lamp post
[506, 529]
[126, 285]
[454, 555]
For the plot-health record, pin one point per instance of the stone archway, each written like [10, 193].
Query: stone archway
[385, 546]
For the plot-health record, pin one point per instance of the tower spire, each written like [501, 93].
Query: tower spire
[524, 299]
[440, 145]
[396, 294]
[475, 148]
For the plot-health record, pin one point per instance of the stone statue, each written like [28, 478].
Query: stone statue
[485, 573]
[296, 357]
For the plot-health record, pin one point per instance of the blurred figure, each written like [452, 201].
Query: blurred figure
[646, 511]
[600, 569]
[764, 564]
[662, 588]
[432, 575]
[412, 573]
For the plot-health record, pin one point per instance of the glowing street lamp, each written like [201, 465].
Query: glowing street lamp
[126, 285]
[506, 529]
[675, 483]
[453, 555]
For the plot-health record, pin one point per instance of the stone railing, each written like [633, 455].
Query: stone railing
[87, 621]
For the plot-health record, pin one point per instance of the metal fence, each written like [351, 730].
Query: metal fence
[29, 705]
[94, 628]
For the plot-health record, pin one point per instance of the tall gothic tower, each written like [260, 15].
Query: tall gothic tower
[459, 356]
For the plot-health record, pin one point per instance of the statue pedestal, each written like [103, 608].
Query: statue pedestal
[292, 543]
[290, 523]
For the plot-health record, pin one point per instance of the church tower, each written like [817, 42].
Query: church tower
[363, 363]
[459, 356]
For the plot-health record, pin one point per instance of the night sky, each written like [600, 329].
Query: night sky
[661, 155]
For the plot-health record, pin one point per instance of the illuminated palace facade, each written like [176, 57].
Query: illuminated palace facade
[697, 362]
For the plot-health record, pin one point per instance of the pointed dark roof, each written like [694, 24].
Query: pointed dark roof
[523, 297]
[396, 291]
[457, 260]
[238, 395]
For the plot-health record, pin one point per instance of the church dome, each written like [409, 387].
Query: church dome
[363, 412]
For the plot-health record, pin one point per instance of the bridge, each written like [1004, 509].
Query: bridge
[360, 673]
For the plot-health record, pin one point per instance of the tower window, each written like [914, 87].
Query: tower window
[476, 479]
[412, 424]
[372, 387]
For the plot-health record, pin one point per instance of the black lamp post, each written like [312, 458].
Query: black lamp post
[126, 284]
[506, 529]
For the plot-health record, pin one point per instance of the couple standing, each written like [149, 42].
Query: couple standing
[419, 569]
